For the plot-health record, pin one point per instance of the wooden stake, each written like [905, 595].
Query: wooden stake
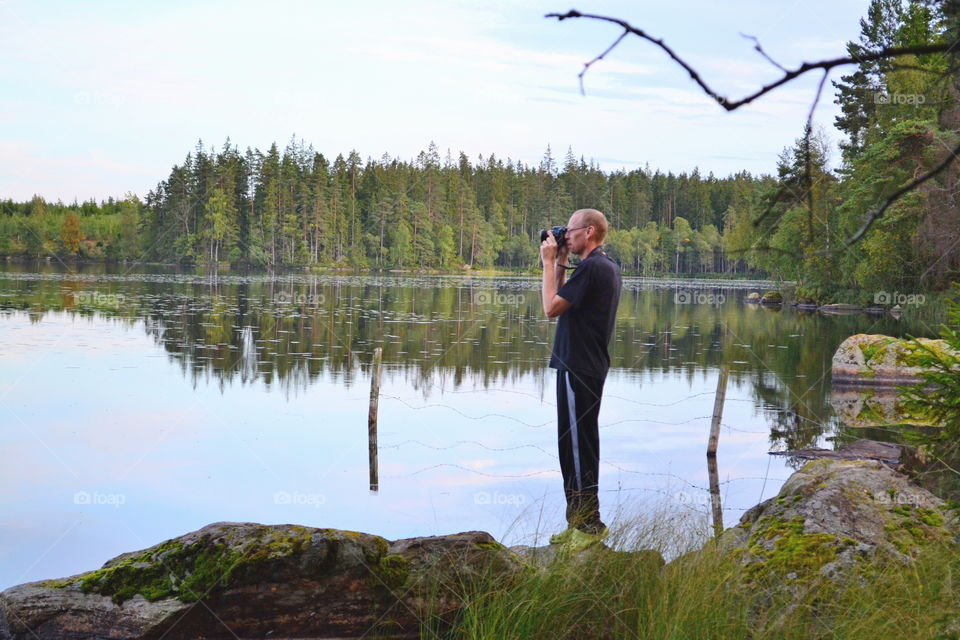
[712, 471]
[372, 418]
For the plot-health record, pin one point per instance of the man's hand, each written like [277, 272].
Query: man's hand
[553, 275]
[551, 251]
[548, 250]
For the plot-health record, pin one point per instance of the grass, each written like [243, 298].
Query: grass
[704, 593]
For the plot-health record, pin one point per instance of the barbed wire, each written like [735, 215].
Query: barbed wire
[610, 465]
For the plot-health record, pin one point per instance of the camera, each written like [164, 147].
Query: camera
[560, 233]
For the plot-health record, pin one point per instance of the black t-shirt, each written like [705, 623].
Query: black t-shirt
[584, 330]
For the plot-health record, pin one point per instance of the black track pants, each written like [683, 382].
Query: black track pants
[578, 437]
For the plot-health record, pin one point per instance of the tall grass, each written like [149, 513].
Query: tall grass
[704, 593]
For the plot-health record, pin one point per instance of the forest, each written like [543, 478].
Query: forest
[448, 212]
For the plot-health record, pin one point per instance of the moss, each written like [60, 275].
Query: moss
[793, 551]
[494, 546]
[916, 532]
[871, 350]
[275, 544]
[903, 510]
[869, 412]
[383, 547]
[929, 517]
[391, 571]
[901, 546]
[188, 573]
[173, 570]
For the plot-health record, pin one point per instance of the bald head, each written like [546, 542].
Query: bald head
[591, 218]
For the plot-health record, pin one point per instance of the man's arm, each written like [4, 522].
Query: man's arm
[554, 274]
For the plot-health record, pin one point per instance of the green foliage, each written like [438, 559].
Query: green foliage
[938, 398]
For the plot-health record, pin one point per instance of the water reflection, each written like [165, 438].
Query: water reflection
[466, 436]
[288, 331]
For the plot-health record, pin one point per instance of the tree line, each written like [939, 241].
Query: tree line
[297, 208]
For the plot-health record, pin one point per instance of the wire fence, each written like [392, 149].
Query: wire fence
[538, 447]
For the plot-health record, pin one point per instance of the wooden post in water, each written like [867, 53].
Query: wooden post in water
[372, 418]
[712, 472]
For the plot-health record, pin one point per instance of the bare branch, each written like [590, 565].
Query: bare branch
[587, 65]
[826, 66]
[759, 49]
[788, 76]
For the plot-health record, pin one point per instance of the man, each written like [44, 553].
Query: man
[587, 306]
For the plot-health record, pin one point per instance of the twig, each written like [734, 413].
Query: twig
[587, 65]
[759, 49]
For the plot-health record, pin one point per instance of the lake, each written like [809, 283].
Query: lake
[140, 403]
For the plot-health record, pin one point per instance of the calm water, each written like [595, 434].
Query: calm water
[137, 406]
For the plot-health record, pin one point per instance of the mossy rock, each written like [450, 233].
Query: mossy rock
[222, 555]
[884, 361]
[772, 297]
[832, 516]
[262, 581]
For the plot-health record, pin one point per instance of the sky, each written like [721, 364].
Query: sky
[101, 98]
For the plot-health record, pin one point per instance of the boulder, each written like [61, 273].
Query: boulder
[772, 297]
[834, 517]
[230, 580]
[878, 360]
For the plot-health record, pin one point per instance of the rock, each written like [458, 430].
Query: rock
[832, 516]
[878, 360]
[772, 297]
[753, 297]
[885, 452]
[840, 308]
[252, 580]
